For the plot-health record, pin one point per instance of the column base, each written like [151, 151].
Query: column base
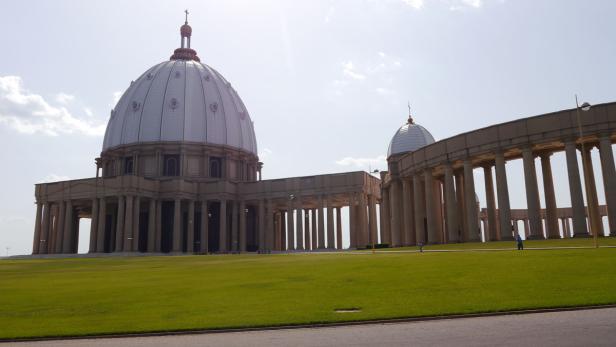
[535, 237]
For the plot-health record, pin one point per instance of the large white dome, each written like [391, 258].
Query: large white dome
[181, 100]
[410, 137]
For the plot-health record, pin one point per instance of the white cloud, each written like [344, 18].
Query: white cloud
[52, 177]
[384, 91]
[30, 113]
[265, 153]
[348, 69]
[377, 162]
[64, 98]
[416, 4]
[473, 3]
[330, 13]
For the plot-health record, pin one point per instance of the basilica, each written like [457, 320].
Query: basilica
[179, 173]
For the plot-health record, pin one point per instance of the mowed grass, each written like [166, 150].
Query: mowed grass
[569, 242]
[60, 297]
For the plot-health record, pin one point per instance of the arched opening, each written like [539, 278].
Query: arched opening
[171, 165]
[215, 167]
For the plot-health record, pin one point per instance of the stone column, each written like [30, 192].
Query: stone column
[204, 229]
[59, 235]
[261, 212]
[352, 221]
[190, 232]
[438, 208]
[492, 230]
[269, 226]
[283, 230]
[532, 194]
[45, 228]
[159, 220]
[591, 193]
[430, 205]
[177, 226]
[321, 225]
[151, 226]
[362, 217]
[94, 226]
[51, 234]
[504, 209]
[563, 222]
[136, 224]
[472, 219]
[551, 217]
[461, 206]
[242, 226]
[419, 202]
[515, 227]
[235, 244]
[526, 228]
[407, 235]
[299, 225]
[330, 225]
[37, 229]
[372, 220]
[575, 189]
[396, 208]
[222, 245]
[313, 231]
[128, 225]
[338, 228]
[102, 226]
[290, 225]
[306, 217]
[450, 202]
[385, 217]
[609, 180]
[68, 237]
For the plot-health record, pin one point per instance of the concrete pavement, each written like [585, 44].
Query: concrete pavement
[596, 327]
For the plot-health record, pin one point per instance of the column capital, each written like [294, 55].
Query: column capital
[527, 148]
[545, 155]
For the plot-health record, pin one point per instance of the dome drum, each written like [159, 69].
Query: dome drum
[181, 160]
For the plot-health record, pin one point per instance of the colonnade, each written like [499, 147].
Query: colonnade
[416, 212]
[135, 223]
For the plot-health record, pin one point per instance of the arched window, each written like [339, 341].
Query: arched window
[171, 165]
[215, 167]
[128, 165]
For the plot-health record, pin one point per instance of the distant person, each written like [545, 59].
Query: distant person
[519, 241]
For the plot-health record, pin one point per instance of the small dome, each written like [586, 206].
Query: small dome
[410, 137]
[185, 30]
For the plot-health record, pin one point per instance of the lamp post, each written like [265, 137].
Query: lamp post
[585, 107]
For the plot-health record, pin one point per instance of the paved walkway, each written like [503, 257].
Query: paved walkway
[569, 328]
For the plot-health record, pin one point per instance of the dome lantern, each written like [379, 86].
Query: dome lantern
[185, 52]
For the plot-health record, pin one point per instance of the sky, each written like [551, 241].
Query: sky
[326, 82]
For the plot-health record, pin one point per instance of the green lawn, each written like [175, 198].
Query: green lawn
[137, 294]
[578, 242]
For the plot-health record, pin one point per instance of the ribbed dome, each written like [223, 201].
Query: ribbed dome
[410, 137]
[181, 100]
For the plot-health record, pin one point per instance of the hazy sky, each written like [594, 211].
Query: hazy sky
[326, 82]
